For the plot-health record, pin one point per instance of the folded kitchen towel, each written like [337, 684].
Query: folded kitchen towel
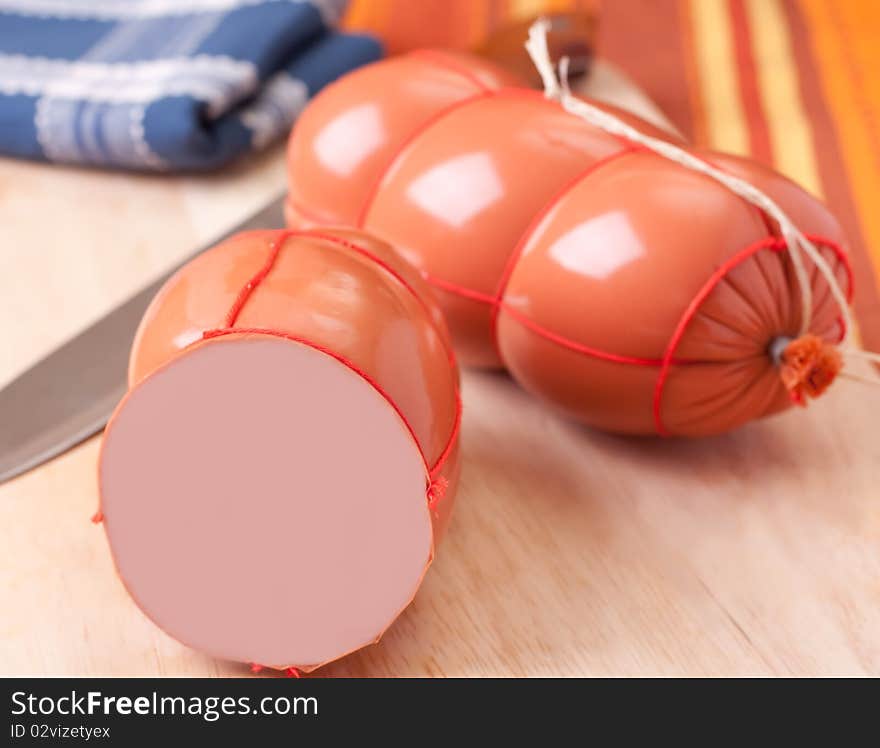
[163, 84]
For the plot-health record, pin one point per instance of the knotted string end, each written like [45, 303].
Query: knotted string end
[807, 365]
[436, 491]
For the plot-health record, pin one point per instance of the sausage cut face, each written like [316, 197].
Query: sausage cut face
[264, 502]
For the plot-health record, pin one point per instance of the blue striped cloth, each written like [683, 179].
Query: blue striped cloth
[163, 84]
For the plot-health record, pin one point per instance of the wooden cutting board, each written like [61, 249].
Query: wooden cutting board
[571, 552]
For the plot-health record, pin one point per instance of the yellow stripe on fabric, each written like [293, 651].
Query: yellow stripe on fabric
[716, 72]
[791, 134]
[692, 77]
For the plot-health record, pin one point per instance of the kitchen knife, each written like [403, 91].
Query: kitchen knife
[70, 394]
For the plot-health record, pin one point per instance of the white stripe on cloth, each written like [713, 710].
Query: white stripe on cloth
[281, 99]
[118, 10]
[214, 79]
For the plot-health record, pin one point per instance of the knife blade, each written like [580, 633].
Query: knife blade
[69, 395]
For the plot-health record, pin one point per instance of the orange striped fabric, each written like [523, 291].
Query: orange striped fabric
[789, 82]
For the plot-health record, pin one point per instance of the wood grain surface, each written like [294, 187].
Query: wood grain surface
[571, 552]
